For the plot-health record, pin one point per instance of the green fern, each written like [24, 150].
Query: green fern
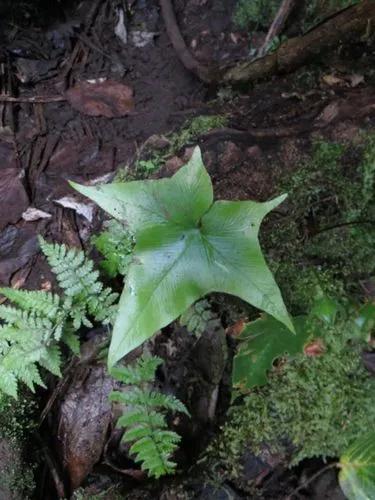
[153, 444]
[75, 275]
[116, 245]
[31, 333]
[26, 338]
[197, 317]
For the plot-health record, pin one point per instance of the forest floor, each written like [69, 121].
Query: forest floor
[81, 103]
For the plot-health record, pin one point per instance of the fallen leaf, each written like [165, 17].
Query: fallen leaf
[120, 28]
[84, 209]
[103, 179]
[84, 418]
[355, 79]
[13, 198]
[314, 348]
[32, 214]
[332, 80]
[142, 38]
[17, 246]
[329, 113]
[236, 329]
[101, 98]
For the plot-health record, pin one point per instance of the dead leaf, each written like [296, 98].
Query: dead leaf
[101, 98]
[235, 329]
[142, 38]
[17, 246]
[13, 198]
[355, 79]
[329, 113]
[120, 28]
[32, 214]
[314, 348]
[84, 209]
[332, 80]
[19, 277]
[84, 418]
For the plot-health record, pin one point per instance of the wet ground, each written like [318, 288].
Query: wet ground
[83, 89]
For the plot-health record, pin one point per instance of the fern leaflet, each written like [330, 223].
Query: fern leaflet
[31, 331]
[145, 423]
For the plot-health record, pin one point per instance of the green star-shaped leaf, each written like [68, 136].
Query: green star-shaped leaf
[186, 247]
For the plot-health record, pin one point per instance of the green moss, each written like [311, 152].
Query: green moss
[323, 239]
[255, 14]
[328, 230]
[16, 477]
[16, 424]
[311, 406]
[151, 160]
[193, 128]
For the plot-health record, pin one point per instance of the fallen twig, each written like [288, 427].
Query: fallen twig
[277, 26]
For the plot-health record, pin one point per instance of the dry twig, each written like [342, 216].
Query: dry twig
[278, 24]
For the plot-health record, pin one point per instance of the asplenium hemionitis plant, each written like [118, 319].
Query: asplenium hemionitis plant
[32, 331]
[186, 247]
[145, 422]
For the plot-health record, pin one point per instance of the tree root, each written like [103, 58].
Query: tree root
[358, 106]
[353, 21]
[204, 73]
[294, 52]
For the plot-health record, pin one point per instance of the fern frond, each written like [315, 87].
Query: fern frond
[44, 303]
[30, 376]
[51, 360]
[75, 274]
[8, 382]
[166, 401]
[143, 371]
[29, 338]
[197, 316]
[70, 338]
[145, 423]
[31, 331]
[133, 417]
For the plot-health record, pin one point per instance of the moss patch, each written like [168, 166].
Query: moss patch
[16, 424]
[327, 233]
[311, 406]
[323, 239]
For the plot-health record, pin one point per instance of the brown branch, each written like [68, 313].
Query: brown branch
[179, 45]
[277, 26]
[296, 51]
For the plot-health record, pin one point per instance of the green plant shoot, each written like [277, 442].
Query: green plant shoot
[186, 247]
